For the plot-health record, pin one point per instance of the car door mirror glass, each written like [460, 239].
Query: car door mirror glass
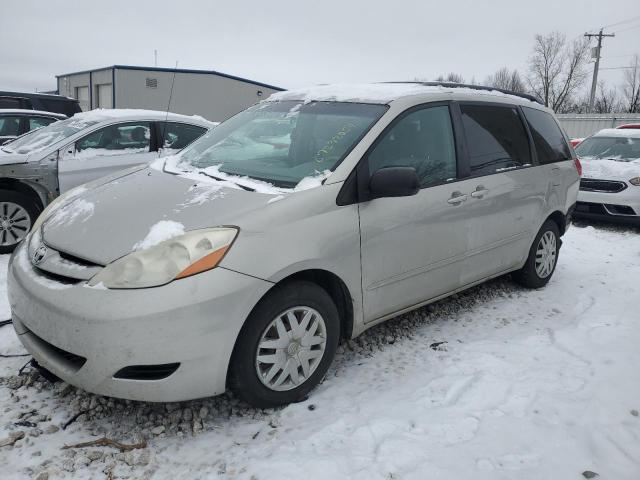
[394, 182]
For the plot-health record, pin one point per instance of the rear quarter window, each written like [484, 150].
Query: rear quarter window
[548, 140]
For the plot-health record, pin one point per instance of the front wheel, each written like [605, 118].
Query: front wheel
[17, 214]
[542, 259]
[286, 346]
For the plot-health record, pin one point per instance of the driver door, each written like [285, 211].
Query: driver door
[412, 247]
[104, 151]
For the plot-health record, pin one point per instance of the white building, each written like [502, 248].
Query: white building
[213, 95]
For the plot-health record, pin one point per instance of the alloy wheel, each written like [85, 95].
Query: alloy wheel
[15, 223]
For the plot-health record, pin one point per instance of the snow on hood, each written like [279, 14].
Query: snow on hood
[12, 158]
[605, 169]
[373, 93]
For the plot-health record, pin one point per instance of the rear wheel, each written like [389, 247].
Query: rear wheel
[286, 345]
[542, 259]
[17, 214]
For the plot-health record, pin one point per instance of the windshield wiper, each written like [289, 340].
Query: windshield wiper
[244, 187]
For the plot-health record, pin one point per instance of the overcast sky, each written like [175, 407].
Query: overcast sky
[297, 43]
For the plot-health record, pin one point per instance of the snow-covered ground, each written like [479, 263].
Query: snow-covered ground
[529, 385]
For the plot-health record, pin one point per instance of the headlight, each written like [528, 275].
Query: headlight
[179, 257]
[635, 181]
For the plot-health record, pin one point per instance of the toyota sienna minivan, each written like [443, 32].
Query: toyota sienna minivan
[242, 261]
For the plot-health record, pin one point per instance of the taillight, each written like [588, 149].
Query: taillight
[578, 165]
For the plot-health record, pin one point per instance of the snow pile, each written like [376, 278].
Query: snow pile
[161, 231]
[496, 382]
[374, 92]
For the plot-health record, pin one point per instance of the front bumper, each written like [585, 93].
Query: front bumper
[85, 335]
[620, 207]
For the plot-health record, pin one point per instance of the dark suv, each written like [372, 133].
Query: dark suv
[39, 101]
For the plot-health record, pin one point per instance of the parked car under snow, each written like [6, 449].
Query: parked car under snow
[610, 185]
[40, 165]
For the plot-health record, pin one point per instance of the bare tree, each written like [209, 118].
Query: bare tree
[557, 69]
[607, 99]
[631, 87]
[507, 80]
[451, 77]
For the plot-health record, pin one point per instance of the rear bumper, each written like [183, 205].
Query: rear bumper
[86, 335]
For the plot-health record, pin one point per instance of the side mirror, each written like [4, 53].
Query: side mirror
[394, 182]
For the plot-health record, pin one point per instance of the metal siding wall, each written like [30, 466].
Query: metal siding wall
[213, 97]
[583, 125]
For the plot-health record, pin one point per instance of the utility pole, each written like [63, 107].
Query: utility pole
[594, 81]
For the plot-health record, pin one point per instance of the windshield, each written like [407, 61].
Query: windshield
[622, 149]
[45, 136]
[283, 142]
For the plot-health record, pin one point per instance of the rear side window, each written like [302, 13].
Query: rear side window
[179, 135]
[496, 138]
[37, 122]
[10, 102]
[548, 140]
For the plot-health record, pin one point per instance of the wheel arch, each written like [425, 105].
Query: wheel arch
[26, 189]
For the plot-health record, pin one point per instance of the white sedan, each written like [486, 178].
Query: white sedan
[610, 185]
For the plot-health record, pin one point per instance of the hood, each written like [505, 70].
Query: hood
[105, 223]
[12, 158]
[603, 169]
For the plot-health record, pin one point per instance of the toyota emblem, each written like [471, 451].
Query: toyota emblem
[39, 254]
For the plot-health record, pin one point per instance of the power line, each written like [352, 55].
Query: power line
[594, 80]
[628, 20]
[628, 28]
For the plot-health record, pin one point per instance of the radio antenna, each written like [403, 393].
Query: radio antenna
[166, 116]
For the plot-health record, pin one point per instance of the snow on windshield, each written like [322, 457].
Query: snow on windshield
[46, 136]
[278, 144]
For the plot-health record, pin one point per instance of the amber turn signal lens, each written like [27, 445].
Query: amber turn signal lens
[205, 263]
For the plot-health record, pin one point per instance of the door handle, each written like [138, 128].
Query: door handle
[479, 192]
[457, 198]
[555, 173]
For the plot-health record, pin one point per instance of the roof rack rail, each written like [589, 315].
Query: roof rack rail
[532, 98]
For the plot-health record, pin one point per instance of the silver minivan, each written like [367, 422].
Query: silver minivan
[242, 261]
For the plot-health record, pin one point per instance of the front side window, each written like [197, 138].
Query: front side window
[548, 140]
[282, 142]
[179, 135]
[121, 138]
[48, 136]
[422, 139]
[39, 122]
[9, 126]
[496, 138]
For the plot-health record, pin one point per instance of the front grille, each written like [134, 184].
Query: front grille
[608, 186]
[71, 360]
[604, 209]
[147, 372]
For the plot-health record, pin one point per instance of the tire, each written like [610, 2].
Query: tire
[17, 214]
[298, 298]
[535, 274]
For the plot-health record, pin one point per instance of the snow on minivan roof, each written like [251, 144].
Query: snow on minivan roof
[383, 93]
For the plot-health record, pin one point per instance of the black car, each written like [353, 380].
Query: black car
[16, 122]
[39, 101]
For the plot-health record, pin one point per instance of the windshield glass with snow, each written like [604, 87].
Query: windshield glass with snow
[610, 148]
[43, 137]
[283, 142]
